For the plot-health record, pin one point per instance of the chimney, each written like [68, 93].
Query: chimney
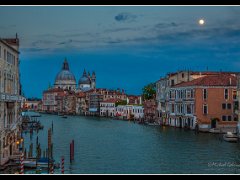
[230, 81]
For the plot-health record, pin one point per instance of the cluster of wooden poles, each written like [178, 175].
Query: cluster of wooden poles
[48, 153]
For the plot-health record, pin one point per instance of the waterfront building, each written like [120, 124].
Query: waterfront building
[108, 107]
[150, 110]
[69, 103]
[163, 85]
[112, 94]
[133, 99]
[57, 100]
[162, 88]
[129, 112]
[208, 101]
[52, 100]
[162, 91]
[81, 105]
[65, 79]
[94, 103]
[87, 82]
[32, 104]
[237, 105]
[10, 100]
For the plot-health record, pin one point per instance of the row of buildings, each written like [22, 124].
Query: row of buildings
[10, 100]
[66, 97]
[186, 99]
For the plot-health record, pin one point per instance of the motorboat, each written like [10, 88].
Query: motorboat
[230, 137]
[64, 116]
[42, 162]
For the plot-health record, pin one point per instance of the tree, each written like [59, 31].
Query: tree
[149, 91]
[121, 102]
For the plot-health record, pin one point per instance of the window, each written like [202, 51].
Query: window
[189, 109]
[172, 82]
[235, 118]
[205, 109]
[229, 106]
[223, 118]
[192, 93]
[4, 54]
[223, 106]
[188, 94]
[226, 93]
[229, 118]
[173, 108]
[182, 75]
[234, 94]
[204, 93]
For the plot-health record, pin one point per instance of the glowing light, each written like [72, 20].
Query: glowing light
[201, 22]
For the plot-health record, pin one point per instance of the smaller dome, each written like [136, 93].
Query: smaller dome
[84, 80]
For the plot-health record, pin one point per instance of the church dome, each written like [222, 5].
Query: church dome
[84, 79]
[65, 76]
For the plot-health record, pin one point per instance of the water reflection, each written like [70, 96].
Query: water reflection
[111, 146]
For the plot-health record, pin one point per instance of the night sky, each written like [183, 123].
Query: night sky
[127, 47]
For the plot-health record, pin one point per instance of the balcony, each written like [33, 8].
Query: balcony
[10, 97]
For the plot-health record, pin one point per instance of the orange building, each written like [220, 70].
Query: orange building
[208, 101]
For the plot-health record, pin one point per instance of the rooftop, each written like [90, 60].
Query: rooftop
[220, 79]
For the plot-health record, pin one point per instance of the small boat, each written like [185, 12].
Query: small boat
[64, 116]
[42, 162]
[152, 124]
[230, 137]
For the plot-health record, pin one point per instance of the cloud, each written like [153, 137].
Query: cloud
[125, 17]
[165, 25]
[158, 34]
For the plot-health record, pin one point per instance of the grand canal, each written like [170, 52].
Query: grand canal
[112, 146]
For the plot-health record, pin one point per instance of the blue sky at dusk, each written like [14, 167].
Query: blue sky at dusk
[127, 46]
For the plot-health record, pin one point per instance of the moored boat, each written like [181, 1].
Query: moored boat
[230, 137]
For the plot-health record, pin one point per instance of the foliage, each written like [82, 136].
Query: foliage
[215, 119]
[149, 91]
[121, 103]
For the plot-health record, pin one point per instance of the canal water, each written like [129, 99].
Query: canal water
[110, 146]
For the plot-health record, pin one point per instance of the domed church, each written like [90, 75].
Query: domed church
[65, 79]
[87, 81]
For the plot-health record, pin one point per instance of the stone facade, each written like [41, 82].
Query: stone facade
[108, 108]
[150, 110]
[10, 100]
[208, 101]
[81, 105]
[129, 112]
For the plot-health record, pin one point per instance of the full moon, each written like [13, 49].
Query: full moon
[201, 21]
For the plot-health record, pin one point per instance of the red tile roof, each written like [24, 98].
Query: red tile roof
[81, 94]
[211, 73]
[212, 80]
[53, 90]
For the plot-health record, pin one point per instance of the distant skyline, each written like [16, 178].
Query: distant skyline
[127, 46]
